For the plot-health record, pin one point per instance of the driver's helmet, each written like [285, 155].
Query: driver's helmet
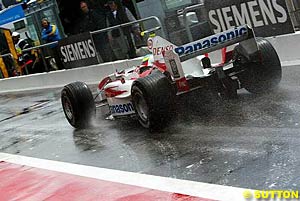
[15, 34]
[147, 60]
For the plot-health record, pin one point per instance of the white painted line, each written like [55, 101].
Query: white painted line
[202, 190]
[290, 63]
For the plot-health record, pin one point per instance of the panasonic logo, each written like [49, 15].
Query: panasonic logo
[122, 108]
[212, 41]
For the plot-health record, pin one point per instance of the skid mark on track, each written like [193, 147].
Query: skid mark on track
[39, 105]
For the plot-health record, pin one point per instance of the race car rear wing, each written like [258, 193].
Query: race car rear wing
[174, 56]
[243, 35]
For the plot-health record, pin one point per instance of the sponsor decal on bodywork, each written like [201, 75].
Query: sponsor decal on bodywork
[211, 41]
[121, 108]
[160, 50]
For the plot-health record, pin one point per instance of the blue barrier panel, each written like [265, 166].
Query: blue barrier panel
[11, 14]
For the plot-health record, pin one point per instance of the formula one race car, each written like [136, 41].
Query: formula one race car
[148, 91]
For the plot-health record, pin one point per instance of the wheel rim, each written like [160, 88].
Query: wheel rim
[142, 107]
[68, 109]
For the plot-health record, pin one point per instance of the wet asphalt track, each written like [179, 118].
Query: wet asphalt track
[252, 142]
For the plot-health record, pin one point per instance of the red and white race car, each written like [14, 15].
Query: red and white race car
[148, 91]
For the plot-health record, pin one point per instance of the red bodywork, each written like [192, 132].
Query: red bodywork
[143, 70]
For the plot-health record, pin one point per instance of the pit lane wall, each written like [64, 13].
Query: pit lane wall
[54, 79]
[287, 47]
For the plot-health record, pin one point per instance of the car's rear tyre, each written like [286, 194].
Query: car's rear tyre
[261, 77]
[78, 104]
[153, 98]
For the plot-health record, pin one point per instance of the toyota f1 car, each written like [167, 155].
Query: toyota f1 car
[148, 91]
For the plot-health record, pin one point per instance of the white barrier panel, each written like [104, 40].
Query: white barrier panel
[90, 75]
[287, 47]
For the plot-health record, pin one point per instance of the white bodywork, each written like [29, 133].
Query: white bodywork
[121, 104]
[191, 67]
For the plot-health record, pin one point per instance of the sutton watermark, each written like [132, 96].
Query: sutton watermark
[271, 194]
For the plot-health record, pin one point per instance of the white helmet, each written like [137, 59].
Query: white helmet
[14, 34]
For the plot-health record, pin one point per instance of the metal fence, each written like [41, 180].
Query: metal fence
[188, 24]
[45, 60]
[41, 60]
[294, 11]
[128, 42]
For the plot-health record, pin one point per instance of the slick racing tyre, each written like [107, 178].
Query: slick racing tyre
[153, 98]
[263, 76]
[78, 104]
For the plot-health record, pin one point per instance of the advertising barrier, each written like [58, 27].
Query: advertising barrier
[78, 50]
[266, 17]
[11, 14]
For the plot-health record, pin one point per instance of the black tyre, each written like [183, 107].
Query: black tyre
[78, 104]
[261, 77]
[153, 98]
